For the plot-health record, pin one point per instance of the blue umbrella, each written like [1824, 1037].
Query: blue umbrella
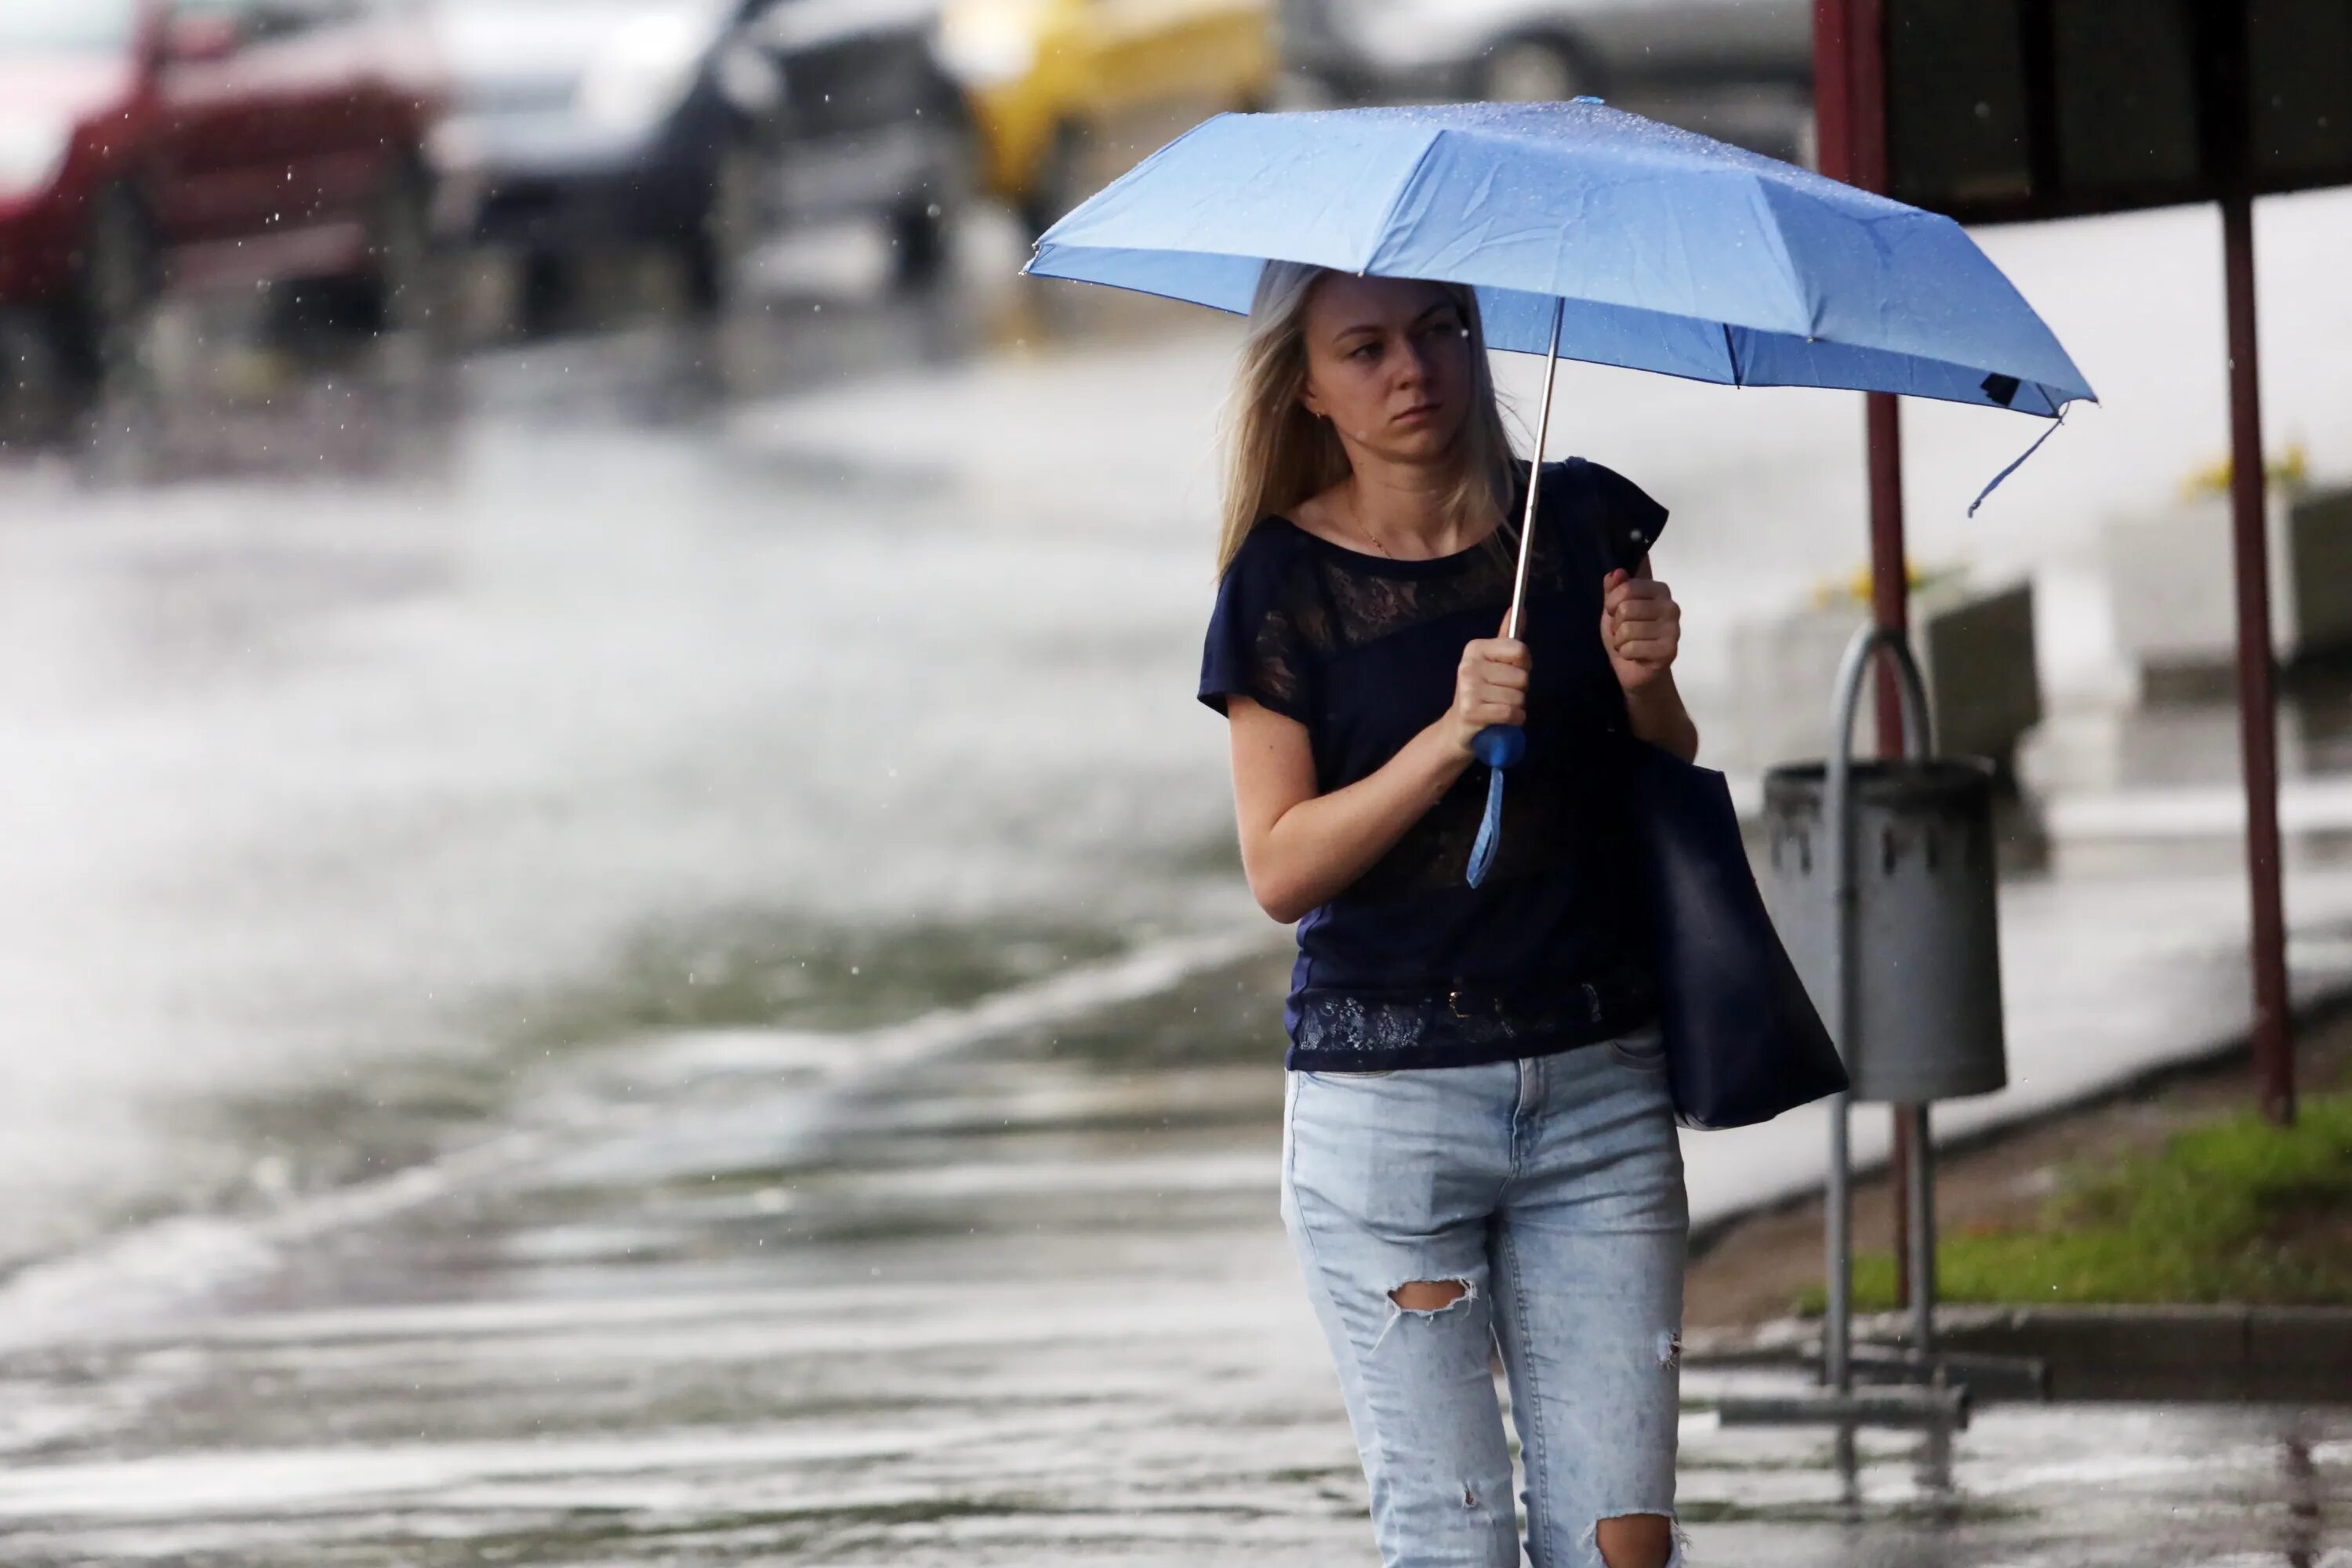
[1587, 232]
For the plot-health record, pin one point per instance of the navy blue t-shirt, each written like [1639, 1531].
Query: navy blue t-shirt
[1411, 967]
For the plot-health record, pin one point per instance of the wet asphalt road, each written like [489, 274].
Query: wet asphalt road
[388, 735]
[1003, 1286]
[583, 993]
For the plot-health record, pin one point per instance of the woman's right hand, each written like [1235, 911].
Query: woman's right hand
[1489, 689]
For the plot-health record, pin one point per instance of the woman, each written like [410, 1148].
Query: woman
[1478, 1146]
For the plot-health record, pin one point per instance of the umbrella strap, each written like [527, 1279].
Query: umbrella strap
[1490, 828]
[2017, 465]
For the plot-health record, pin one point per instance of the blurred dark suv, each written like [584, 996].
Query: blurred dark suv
[698, 126]
[149, 146]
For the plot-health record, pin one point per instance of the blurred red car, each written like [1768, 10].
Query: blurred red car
[148, 146]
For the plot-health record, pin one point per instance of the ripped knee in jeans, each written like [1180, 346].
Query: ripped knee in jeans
[1426, 1299]
[1637, 1541]
[1431, 1295]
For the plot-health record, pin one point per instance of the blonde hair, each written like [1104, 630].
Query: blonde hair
[1277, 454]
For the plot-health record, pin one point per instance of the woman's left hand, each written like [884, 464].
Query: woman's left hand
[1641, 627]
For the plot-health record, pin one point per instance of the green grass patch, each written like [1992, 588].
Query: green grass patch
[2236, 1210]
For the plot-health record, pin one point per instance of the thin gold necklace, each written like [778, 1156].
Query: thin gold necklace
[1356, 522]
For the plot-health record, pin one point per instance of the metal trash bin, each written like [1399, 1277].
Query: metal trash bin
[1927, 948]
[1880, 877]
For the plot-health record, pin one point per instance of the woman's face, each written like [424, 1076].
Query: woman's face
[1388, 363]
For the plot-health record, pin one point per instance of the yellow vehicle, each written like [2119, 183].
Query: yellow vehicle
[1067, 94]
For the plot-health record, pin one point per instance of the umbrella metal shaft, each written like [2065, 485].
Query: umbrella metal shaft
[1535, 473]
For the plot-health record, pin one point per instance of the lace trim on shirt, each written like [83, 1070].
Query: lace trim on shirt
[1368, 606]
[1349, 1026]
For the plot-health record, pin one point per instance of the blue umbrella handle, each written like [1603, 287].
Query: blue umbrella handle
[1499, 745]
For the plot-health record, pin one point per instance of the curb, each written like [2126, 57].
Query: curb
[2300, 1355]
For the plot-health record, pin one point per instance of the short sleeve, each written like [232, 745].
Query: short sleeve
[1630, 519]
[1253, 648]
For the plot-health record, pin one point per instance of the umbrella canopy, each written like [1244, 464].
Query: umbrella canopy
[1585, 231]
[1659, 249]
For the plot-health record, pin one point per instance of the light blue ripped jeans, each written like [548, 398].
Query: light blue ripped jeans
[1552, 1188]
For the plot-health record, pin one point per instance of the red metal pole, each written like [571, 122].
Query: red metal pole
[1890, 584]
[1832, 89]
[1866, 93]
[1890, 604]
[1890, 587]
[1833, 99]
[1850, 124]
[2257, 677]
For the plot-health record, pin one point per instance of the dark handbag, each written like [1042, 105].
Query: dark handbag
[1743, 1040]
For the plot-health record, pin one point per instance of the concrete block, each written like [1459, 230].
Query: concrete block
[1979, 656]
[2318, 571]
[2172, 580]
[1976, 646]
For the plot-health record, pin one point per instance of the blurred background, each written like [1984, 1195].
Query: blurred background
[598, 695]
